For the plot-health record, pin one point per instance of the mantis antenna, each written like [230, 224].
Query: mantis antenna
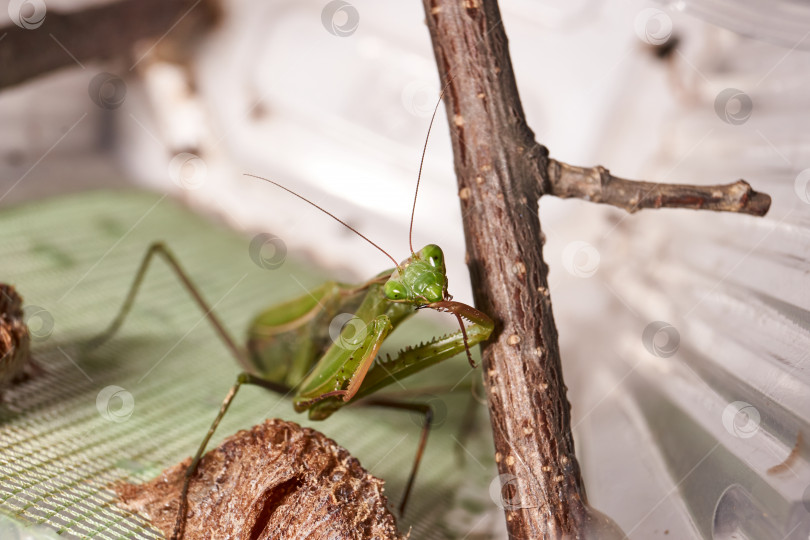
[355, 231]
[413, 210]
[422, 162]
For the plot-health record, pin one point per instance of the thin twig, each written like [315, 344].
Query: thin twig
[596, 184]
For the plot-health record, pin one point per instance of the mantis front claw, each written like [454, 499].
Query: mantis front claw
[463, 311]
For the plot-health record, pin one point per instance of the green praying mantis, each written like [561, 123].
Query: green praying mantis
[290, 351]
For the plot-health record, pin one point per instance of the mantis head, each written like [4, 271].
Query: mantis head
[420, 279]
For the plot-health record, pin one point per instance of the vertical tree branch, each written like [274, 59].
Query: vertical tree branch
[502, 171]
[497, 162]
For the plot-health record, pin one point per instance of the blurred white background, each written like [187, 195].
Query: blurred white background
[342, 119]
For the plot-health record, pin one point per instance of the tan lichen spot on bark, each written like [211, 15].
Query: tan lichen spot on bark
[458, 120]
[519, 268]
[510, 460]
[479, 180]
[514, 339]
[464, 193]
[498, 457]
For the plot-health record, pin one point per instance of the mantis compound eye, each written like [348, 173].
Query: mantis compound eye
[433, 255]
[394, 290]
[434, 293]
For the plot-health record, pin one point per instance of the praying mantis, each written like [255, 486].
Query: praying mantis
[290, 351]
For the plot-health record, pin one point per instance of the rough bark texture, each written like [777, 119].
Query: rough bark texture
[502, 171]
[99, 33]
[497, 163]
[596, 184]
[276, 480]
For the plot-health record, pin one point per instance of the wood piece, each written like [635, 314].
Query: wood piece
[276, 480]
[15, 340]
[98, 33]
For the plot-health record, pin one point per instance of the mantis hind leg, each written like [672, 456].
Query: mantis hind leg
[427, 412]
[242, 378]
[160, 249]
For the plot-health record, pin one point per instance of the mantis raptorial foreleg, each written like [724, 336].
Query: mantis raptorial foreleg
[322, 384]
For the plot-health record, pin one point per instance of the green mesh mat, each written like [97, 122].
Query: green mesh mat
[143, 401]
